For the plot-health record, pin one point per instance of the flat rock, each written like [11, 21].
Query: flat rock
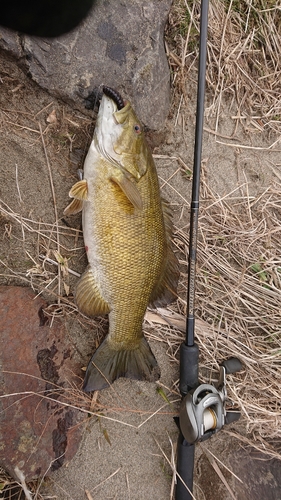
[260, 476]
[120, 44]
[249, 473]
[38, 429]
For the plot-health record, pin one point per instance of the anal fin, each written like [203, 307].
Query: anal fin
[88, 296]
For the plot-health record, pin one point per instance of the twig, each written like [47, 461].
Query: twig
[257, 148]
[51, 261]
[17, 183]
[55, 207]
[21, 477]
[109, 477]
[88, 495]
[172, 465]
[43, 109]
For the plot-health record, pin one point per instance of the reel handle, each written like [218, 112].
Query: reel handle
[232, 365]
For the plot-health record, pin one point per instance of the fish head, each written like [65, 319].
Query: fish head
[120, 139]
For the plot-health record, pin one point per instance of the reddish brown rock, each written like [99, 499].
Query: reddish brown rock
[37, 374]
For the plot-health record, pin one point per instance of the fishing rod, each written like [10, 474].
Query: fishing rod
[202, 411]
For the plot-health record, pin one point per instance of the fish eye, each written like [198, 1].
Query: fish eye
[137, 129]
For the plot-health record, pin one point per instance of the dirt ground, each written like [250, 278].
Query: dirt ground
[125, 453]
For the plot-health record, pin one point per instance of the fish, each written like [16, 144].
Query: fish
[127, 230]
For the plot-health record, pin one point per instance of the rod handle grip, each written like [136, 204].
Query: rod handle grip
[185, 453]
[189, 356]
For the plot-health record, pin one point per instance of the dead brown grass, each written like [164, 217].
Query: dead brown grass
[243, 58]
[238, 303]
[239, 263]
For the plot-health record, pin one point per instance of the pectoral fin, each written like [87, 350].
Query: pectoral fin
[79, 192]
[88, 296]
[130, 190]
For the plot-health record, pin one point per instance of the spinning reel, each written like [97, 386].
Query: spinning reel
[203, 412]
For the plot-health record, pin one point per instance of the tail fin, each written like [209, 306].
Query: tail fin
[107, 365]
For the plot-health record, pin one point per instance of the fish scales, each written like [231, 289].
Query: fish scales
[127, 234]
[128, 250]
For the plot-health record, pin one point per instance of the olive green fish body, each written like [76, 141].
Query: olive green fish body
[126, 248]
[127, 232]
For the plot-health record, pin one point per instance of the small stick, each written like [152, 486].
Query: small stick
[258, 148]
[109, 477]
[55, 208]
[21, 477]
[43, 109]
[51, 261]
[22, 126]
[17, 183]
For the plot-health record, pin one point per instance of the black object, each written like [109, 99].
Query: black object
[194, 208]
[114, 95]
[185, 451]
[232, 365]
[189, 350]
[45, 18]
[203, 411]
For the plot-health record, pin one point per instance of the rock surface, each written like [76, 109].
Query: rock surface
[37, 432]
[120, 44]
[260, 478]
[248, 473]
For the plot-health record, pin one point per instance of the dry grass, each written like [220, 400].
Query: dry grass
[243, 58]
[238, 303]
[17, 490]
[239, 262]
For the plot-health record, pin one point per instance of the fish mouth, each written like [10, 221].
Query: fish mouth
[115, 96]
[108, 129]
[111, 120]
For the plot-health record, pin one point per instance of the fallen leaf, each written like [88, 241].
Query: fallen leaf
[52, 118]
[152, 317]
[66, 288]
[161, 393]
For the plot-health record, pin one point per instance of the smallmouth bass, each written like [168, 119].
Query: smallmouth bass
[127, 232]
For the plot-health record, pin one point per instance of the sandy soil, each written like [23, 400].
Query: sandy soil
[124, 453]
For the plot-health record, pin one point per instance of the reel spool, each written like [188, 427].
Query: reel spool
[203, 412]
